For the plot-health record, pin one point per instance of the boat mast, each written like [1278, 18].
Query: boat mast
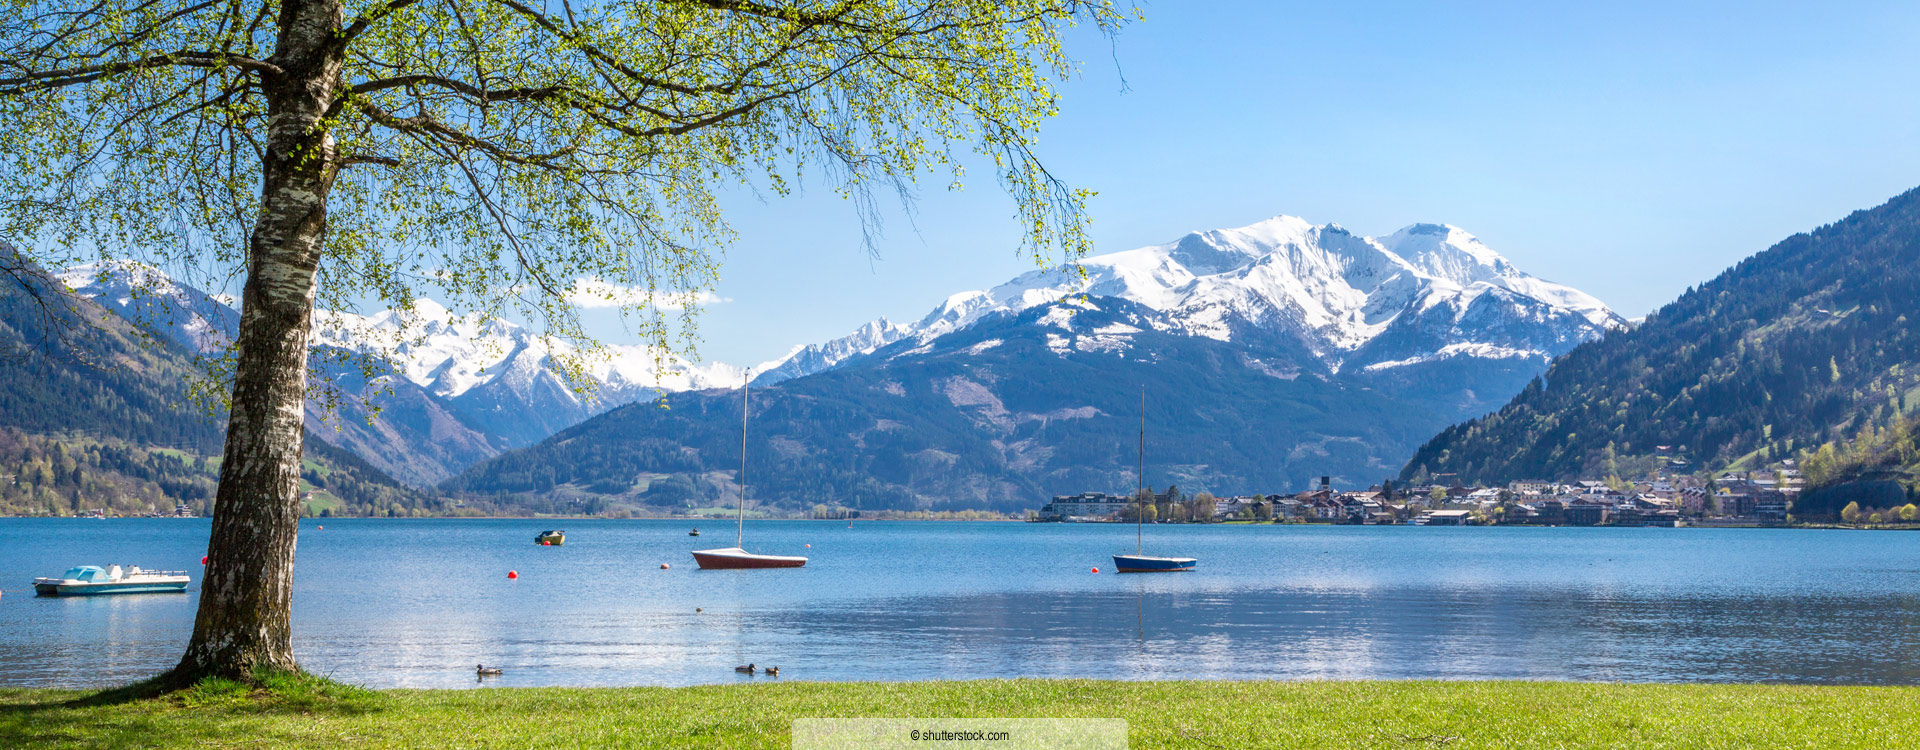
[740, 526]
[1140, 475]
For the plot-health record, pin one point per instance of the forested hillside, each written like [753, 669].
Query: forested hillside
[94, 415]
[1794, 347]
[1876, 469]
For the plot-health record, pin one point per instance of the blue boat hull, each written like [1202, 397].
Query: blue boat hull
[100, 589]
[1150, 564]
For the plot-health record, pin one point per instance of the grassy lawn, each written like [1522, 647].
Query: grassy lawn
[1161, 714]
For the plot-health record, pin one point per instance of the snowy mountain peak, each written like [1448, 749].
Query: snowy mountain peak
[1448, 252]
[1334, 291]
[446, 353]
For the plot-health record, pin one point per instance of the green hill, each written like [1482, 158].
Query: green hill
[1794, 347]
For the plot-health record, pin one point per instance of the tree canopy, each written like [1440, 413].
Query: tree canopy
[515, 157]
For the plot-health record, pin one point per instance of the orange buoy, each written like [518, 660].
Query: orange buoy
[664, 566]
[1096, 570]
[513, 574]
[323, 528]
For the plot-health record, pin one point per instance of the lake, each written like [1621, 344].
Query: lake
[416, 603]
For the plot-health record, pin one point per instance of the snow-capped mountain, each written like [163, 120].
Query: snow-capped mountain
[812, 358]
[1268, 356]
[451, 389]
[1424, 293]
[453, 355]
[145, 295]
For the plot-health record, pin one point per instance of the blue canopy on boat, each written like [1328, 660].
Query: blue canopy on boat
[86, 573]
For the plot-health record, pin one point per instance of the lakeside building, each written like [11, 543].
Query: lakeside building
[1095, 505]
[1449, 517]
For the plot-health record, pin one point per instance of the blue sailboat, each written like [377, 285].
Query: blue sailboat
[1140, 562]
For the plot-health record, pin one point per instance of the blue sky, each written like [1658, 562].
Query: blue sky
[1628, 149]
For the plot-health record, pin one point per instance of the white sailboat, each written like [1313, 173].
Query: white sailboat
[737, 557]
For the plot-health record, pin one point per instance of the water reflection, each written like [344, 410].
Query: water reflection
[418, 603]
[1392, 634]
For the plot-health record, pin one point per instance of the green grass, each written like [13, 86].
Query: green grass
[307, 712]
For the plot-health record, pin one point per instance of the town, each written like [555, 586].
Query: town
[1758, 498]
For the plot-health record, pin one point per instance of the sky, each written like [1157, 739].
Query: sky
[1628, 149]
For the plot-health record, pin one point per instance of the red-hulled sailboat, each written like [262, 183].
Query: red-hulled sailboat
[737, 557]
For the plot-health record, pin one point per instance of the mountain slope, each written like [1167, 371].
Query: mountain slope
[92, 415]
[1790, 348]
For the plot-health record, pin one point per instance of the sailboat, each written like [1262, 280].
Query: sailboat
[1140, 562]
[737, 556]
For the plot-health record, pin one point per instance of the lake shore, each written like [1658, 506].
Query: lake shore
[1191, 714]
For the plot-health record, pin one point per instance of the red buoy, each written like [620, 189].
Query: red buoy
[664, 566]
[203, 559]
[1096, 570]
[546, 544]
[513, 574]
[811, 546]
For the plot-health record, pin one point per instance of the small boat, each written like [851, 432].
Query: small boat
[551, 538]
[737, 557]
[1139, 561]
[1151, 564]
[93, 580]
[734, 558]
[695, 532]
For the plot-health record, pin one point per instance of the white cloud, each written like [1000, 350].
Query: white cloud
[591, 291]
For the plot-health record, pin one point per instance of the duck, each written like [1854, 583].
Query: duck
[486, 671]
[748, 669]
[773, 671]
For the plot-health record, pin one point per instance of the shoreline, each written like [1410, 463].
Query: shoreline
[711, 519]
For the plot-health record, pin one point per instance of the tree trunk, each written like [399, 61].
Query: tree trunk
[246, 595]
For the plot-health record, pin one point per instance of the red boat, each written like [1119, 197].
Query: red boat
[734, 557]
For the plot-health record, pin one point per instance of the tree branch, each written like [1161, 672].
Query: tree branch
[47, 79]
[462, 87]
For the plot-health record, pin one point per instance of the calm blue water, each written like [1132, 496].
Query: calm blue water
[416, 603]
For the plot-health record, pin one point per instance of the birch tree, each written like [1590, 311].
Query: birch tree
[505, 156]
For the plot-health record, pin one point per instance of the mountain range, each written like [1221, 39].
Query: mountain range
[1270, 354]
[1425, 293]
[448, 390]
[94, 415]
